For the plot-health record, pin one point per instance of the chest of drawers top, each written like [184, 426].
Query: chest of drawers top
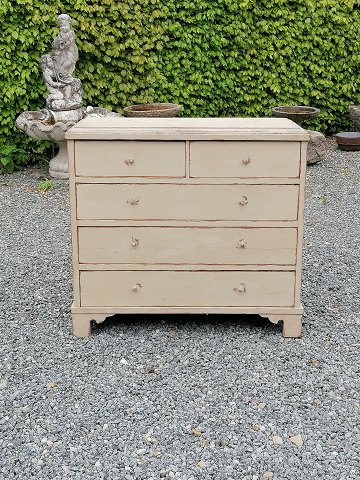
[122, 128]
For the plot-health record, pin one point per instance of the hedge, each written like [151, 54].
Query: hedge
[215, 57]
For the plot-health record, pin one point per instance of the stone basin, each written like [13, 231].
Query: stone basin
[297, 113]
[348, 141]
[46, 125]
[36, 125]
[40, 126]
[153, 110]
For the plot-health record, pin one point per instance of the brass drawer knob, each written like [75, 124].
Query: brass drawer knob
[130, 161]
[136, 287]
[243, 201]
[133, 201]
[241, 244]
[134, 242]
[241, 288]
[246, 161]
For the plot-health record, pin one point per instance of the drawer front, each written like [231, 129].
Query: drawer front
[129, 159]
[244, 159]
[202, 245]
[165, 288]
[187, 202]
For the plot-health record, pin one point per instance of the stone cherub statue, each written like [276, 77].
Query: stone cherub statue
[64, 91]
[64, 99]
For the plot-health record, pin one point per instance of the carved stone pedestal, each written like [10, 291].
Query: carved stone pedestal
[59, 165]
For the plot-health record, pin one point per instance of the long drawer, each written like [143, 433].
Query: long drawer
[244, 159]
[175, 288]
[130, 159]
[187, 202]
[197, 245]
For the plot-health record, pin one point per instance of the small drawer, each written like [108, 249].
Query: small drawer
[186, 202]
[129, 159]
[244, 159]
[183, 288]
[186, 245]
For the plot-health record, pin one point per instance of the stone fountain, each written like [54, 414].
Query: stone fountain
[64, 98]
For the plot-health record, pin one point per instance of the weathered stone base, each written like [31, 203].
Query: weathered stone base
[59, 165]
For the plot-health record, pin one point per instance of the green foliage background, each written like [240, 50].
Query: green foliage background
[215, 57]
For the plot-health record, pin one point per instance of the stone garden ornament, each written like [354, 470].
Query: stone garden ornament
[64, 98]
[354, 111]
[64, 91]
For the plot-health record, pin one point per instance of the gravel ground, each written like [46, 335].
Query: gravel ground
[178, 397]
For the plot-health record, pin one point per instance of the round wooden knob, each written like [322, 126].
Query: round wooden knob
[133, 201]
[241, 288]
[134, 242]
[241, 244]
[130, 161]
[246, 161]
[136, 287]
[243, 201]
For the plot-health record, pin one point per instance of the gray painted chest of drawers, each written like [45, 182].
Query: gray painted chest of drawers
[186, 215]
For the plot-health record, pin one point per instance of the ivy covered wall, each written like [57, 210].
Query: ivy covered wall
[215, 57]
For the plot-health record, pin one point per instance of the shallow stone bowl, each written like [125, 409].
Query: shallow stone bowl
[153, 110]
[297, 113]
[31, 123]
[348, 141]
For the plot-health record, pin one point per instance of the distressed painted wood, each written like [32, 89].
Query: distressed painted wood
[196, 181]
[292, 324]
[130, 159]
[74, 237]
[188, 223]
[204, 245]
[182, 202]
[300, 229]
[244, 159]
[252, 129]
[187, 216]
[263, 312]
[167, 288]
[184, 267]
[81, 324]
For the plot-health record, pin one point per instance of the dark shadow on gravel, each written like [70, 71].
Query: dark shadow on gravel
[178, 322]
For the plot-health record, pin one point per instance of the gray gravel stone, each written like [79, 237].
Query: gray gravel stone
[277, 440]
[71, 408]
